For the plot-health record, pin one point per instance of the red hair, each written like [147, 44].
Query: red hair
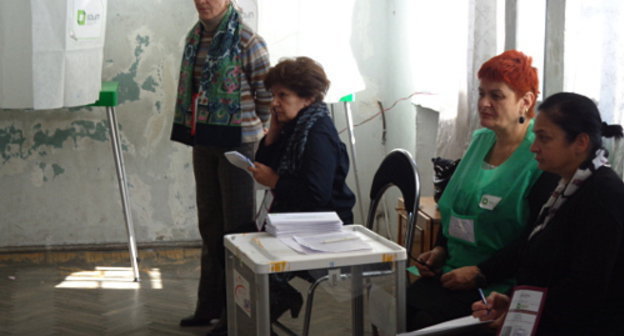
[514, 68]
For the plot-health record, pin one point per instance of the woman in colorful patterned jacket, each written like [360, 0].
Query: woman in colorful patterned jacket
[222, 105]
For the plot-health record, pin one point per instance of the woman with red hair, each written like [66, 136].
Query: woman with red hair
[495, 191]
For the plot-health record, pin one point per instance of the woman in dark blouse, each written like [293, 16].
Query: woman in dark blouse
[301, 158]
[576, 248]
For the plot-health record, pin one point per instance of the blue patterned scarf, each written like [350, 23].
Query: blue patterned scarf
[293, 153]
[218, 101]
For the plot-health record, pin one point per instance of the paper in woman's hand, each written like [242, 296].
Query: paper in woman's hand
[467, 325]
[239, 160]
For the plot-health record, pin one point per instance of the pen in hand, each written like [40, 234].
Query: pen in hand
[482, 296]
[429, 267]
[483, 299]
[421, 262]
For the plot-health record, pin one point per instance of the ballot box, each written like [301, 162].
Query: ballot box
[252, 257]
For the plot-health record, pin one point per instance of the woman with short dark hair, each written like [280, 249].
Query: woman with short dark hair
[302, 75]
[576, 247]
[301, 158]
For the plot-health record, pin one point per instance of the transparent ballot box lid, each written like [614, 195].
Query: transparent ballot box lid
[265, 254]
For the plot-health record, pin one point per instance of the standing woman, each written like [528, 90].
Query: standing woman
[221, 105]
[576, 247]
[492, 195]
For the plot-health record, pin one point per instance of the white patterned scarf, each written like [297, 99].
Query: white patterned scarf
[564, 190]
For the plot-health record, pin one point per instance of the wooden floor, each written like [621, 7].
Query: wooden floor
[92, 293]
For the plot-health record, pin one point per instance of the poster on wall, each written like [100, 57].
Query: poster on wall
[51, 52]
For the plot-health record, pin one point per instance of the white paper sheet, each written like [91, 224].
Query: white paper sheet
[239, 160]
[446, 328]
[342, 241]
[311, 243]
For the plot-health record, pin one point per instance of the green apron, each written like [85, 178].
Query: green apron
[485, 209]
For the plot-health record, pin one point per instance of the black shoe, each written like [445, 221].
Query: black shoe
[194, 321]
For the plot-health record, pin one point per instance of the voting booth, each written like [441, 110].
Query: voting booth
[373, 277]
[51, 52]
[51, 57]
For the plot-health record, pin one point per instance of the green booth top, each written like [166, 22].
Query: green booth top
[108, 94]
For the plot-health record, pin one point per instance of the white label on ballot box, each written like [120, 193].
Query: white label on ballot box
[241, 293]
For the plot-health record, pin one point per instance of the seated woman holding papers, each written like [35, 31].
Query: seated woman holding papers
[301, 158]
[575, 250]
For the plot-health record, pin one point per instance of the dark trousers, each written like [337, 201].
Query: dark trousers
[429, 303]
[225, 204]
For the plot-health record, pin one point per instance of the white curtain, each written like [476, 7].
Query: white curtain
[484, 39]
[306, 27]
[594, 61]
[593, 65]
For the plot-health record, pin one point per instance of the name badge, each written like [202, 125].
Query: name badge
[489, 202]
[462, 228]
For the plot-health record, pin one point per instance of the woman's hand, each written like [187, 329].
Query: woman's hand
[264, 175]
[495, 309]
[430, 261]
[461, 278]
[274, 130]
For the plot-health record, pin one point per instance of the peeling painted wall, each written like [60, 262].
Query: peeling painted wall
[57, 172]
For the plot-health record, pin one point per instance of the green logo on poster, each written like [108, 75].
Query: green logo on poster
[82, 17]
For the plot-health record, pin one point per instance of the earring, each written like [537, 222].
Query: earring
[522, 119]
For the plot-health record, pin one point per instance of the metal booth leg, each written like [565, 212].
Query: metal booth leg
[121, 178]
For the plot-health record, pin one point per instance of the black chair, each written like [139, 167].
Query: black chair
[398, 169]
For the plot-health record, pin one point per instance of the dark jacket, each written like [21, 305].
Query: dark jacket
[579, 257]
[320, 184]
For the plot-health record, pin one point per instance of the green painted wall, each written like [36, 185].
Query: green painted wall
[57, 172]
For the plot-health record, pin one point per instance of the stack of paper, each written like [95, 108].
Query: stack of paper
[342, 241]
[291, 223]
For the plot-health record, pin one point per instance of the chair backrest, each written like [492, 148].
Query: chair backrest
[398, 169]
